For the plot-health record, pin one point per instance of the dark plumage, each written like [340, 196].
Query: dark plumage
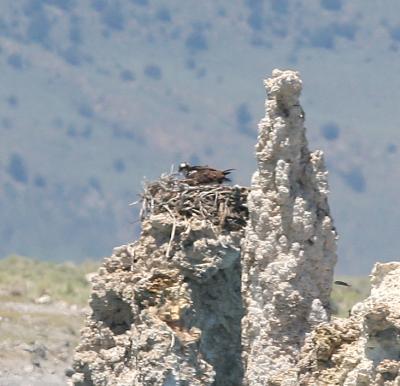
[204, 174]
[339, 282]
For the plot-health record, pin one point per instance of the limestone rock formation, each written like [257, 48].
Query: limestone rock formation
[364, 349]
[290, 247]
[225, 283]
[166, 309]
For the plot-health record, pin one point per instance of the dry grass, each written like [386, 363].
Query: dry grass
[25, 279]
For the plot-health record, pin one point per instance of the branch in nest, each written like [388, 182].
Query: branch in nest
[182, 200]
[172, 231]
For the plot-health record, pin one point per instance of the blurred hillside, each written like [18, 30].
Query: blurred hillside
[97, 94]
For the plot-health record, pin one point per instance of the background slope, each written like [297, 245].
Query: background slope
[97, 94]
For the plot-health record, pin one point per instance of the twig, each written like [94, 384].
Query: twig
[172, 231]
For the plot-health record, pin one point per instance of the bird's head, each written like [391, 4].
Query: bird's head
[184, 167]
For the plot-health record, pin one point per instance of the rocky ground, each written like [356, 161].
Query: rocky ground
[42, 307]
[37, 342]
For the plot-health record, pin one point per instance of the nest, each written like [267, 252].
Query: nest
[222, 205]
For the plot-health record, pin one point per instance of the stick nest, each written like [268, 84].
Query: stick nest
[222, 205]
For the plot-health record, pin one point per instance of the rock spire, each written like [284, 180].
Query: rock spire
[289, 251]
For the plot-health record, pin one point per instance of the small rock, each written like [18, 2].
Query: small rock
[38, 352]
[89, 276]
[77, 378]
[28, 369]
[69, 372]
[16, 292]
[36, 362]
[44, 299]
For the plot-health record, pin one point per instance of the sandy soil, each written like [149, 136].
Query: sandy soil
[37, 342]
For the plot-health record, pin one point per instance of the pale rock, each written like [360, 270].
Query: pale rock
[89, 277]
[44, 299]
[364, 349]
[166, 313]
[289, 251]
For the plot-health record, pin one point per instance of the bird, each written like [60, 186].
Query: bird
[343, 283]
[204, 174]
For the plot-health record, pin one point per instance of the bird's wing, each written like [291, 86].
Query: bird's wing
[339, 282]
[201, 167]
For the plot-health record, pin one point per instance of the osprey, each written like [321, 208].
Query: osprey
[204, 174]
[339, 282]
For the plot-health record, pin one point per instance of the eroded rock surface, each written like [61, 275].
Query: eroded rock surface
[290, 246]
[363, 349]
[166, 309]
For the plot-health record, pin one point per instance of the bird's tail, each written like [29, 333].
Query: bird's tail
[227, 171]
